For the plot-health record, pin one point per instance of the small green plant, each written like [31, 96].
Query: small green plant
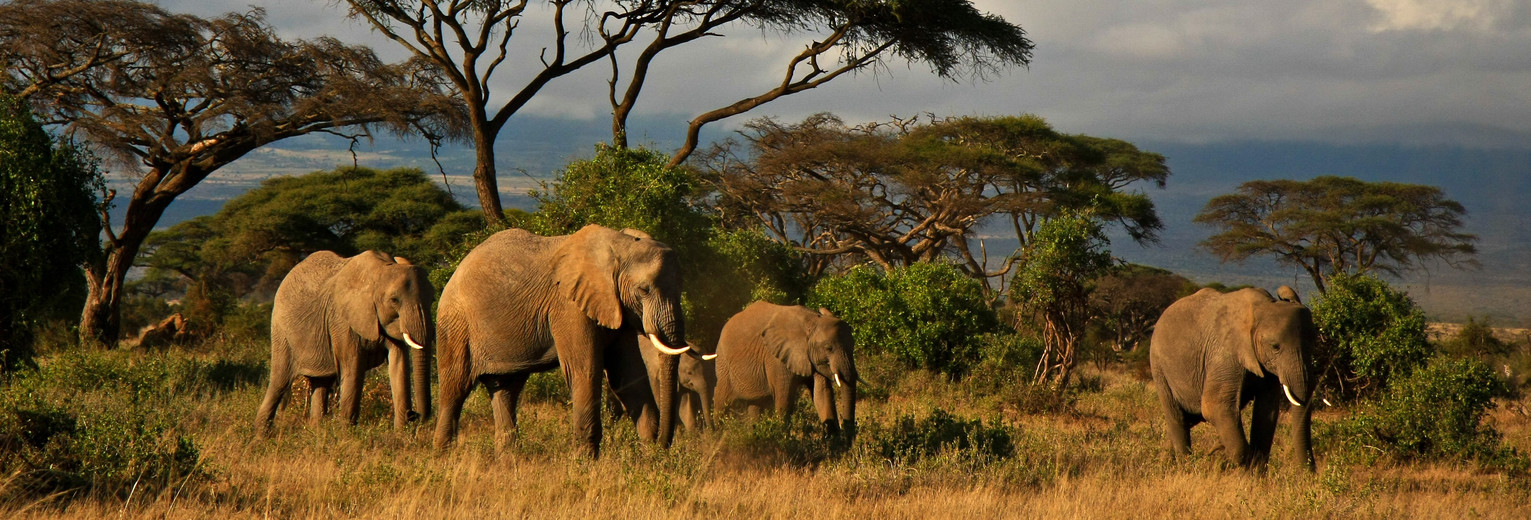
[1476, 339]
[909, 440]
[927, 315]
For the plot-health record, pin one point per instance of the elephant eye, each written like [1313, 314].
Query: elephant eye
[1276, 347]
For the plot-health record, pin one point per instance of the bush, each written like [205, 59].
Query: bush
[96, 421]
[1436, 413]
[1476, 339]
[908, 440]
[926, 315]
[1375, 334]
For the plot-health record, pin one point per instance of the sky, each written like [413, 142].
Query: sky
[1426, 91]
[1413, 72]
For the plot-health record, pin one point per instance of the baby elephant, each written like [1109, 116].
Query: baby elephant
[334, 318]
[768, 351]
[698, 378]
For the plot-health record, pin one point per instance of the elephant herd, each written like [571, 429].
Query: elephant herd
[604, 306]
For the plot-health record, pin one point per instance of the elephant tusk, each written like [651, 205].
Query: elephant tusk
[1289, 397]
[837, 380]
[660, 346]
[709, 357]
[412, 343]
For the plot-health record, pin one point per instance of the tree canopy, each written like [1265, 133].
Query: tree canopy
[916, 190]
[48, 211]
[177, 97]
[1330, 225]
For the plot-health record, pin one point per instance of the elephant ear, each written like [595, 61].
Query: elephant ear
[1247, 312]
[786, 337]
[355, 290]
[585, 269]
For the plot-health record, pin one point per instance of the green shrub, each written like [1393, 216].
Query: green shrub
[909, 440]
[797, 440]
[1435, 413]
[94, 420]
[1375, 334]
[1005, 359]
[927, 315]
[1476, 339]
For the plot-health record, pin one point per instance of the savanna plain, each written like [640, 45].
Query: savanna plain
[984, 446]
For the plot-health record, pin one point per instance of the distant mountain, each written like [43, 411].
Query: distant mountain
[1491, 183]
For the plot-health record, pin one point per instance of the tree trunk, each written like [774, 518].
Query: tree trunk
[101, 320]
[485, 180]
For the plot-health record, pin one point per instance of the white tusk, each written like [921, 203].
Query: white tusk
[709, 357]
[1327, 403]
[660, 346]
[412, 343]
[1289, 397]
[837, 380]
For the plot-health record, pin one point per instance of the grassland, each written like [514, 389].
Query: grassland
[1094, 455]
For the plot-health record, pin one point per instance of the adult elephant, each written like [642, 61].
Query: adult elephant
[334, 318]
[767, 352]
[520, 303]
[1214, 353]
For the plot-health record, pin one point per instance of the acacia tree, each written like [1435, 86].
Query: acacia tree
[913, 191]
[179, 97]
[1331, 225]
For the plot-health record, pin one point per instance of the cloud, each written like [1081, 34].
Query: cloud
[1439, 15]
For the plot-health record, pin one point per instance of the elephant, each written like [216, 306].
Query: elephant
[1213, 353]
[334, 318]
[698, 378]
[520, 303]
[767, 352]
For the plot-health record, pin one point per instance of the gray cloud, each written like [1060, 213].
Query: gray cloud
[1351, 71]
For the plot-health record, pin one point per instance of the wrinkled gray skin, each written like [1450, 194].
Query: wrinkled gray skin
[767, 352]
[335, 318]
[521, 303]
[698, 378]
[1214, 353]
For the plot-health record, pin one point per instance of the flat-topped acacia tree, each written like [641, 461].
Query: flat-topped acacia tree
[176, 97]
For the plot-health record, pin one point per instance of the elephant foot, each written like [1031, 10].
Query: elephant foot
[412, 416]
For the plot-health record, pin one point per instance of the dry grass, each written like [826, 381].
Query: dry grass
[1102, 461]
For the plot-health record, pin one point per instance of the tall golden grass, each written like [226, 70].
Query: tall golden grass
[1103, 460]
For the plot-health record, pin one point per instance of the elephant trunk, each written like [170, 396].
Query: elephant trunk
[846, 407]
[665, 397]
[420, 326]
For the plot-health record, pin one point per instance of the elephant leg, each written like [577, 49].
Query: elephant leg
[1177, 427]
[1262, 427]
[399, 384]
[785, 397]
[318, 398]
[753, 410]
[351, 379]
[585, 389]
[276, 393]
[824, 403]
[455, 387]
[1225, 417]
[504, 394]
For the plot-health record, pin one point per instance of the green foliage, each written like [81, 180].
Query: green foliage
[1057, 274]
[735, 268]
[625, 188]
[107, 421]
[927, 315]
[1373, 334]
[1476, 339]
[48, 211]
[909, 440]
[1436, 413]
